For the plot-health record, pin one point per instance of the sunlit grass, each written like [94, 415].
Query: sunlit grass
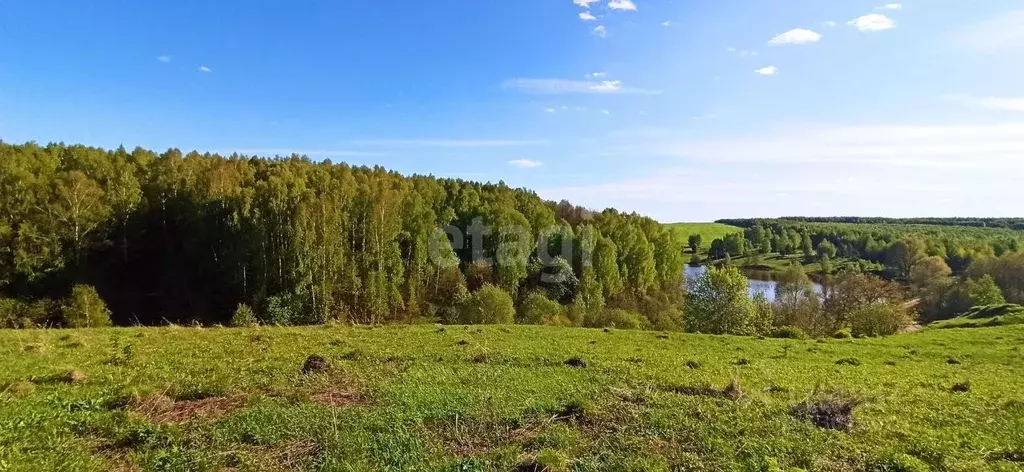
[418, 398]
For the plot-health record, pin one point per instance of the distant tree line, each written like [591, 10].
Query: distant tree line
[893, 245]
[1008, 223]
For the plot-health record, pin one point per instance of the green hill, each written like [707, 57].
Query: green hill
[986, 316]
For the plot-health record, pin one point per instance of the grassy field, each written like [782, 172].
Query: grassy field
[508, 398]
[709, 231]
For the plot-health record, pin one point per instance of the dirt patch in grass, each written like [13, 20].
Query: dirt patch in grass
[962, 387]
[835, 413]
[576, 362]
[161, 409]
[315, 364]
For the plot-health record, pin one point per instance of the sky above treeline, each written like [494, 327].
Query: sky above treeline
[682, 110]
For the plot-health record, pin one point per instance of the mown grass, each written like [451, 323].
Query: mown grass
[507, 397]
[708, 231]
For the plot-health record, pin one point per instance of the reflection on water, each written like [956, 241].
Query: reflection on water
[767, 287]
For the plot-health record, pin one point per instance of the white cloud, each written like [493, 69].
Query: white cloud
[998, 145]
[596, 75]
[584, 3]
[891, 6]
[829, 24]
[525, 163]
[741, 52]
[993, 35]
[622, 5]
[563, 86]
[601, 31]
[795, 36]
[586, 16]
[606, 112]
[447, 143]
[549, 110]
[607, 86]
[872, 22]
[991, 103]
[770, 70]
[666, 23]
[205, 69]
[164, 59]
[325, 153]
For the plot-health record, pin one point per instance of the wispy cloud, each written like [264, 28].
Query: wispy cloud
[997, 145]
[769, 70]
[993, 35]
[796, 36]
[446, 143]
[741, 52]
[323, 153]
[872, 22]
[525, 163]
[549, 110]
[829, 24]
[991, 103]
[622, 5]
[586, 16]
[164, 59]
[565, 86]
[891, 6]
[596, 75]
[205, 69]
[600, 31]
[584, 3]
[606, 112]
[666, 23]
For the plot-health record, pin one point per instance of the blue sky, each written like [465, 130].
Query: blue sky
[682, 110]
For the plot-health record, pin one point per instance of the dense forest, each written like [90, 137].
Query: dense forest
[189, 237]
[90, 237]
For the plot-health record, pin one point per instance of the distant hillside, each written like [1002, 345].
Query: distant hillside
[708, 231]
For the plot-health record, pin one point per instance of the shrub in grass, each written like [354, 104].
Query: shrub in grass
[85, 308]
[789, 332]
[617, 318]
[538, 309]
[878, 319]
[244, 317]
[488, 305]
[842, 334]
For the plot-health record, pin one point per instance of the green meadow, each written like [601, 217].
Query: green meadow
[460, 398]
[708, 231]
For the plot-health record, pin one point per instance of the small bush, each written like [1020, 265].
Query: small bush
[85, 308]
[243, 317]
[789, 332]
[842, 334]
[489, 305]
[540, 310]
[618, 318]
[878, 319]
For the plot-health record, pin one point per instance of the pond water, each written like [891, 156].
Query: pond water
[767, 287]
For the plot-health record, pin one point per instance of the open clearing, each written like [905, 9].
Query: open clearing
[708, 231]
[507, 397]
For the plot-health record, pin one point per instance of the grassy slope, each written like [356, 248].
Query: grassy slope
[709, 231]
[419, 398]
